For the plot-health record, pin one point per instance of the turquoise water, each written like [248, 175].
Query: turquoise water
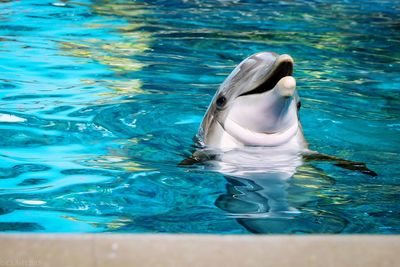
[100, 100]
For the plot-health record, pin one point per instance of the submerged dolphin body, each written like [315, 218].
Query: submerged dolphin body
[252, 134]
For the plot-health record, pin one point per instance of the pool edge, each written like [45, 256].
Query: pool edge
[166, 250]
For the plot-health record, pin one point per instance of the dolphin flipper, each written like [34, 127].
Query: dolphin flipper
[342, 163]
[198, 157]
[189, 161]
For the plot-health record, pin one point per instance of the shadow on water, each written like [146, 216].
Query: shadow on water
[273, 191]
[262, 206]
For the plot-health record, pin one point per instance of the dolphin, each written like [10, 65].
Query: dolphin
[258, 106]
[252, 134]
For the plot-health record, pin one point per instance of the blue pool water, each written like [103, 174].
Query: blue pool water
[100, 100]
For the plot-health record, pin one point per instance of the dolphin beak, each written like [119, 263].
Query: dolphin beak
[284, 58]
[282, 67]
[286, 86]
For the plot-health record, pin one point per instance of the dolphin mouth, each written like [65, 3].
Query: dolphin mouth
[282, 67]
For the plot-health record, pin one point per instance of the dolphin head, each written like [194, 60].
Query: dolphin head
[257, 105]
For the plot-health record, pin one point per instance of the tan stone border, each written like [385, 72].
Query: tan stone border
[119, 250]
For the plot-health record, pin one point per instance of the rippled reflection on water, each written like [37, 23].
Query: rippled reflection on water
[99, 101]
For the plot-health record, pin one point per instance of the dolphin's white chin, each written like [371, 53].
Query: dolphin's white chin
[251, 138]
[273, 111]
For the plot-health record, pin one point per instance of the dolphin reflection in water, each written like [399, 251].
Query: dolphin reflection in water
[251, 133]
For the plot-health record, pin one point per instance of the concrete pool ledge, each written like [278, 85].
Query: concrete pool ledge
[144, 250]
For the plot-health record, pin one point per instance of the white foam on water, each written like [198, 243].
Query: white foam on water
[10, 118]
[31, 201]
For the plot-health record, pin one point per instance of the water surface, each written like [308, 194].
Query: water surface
[99, 101]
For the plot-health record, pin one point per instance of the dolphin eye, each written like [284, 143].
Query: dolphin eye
[298, 105]
[221, 101]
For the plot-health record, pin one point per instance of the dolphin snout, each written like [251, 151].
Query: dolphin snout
[286, 86]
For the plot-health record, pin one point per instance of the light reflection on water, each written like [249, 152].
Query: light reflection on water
[99, 101]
